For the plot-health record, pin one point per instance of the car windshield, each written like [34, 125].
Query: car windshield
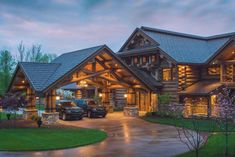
[68, 104]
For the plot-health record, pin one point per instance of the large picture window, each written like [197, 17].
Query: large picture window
[166, 74]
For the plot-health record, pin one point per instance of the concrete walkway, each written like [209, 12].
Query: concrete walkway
[128, 137]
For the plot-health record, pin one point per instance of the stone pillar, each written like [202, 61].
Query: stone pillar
[30, 109]
[50, 116]
[131, 110]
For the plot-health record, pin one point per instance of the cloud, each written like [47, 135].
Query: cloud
[62, 25]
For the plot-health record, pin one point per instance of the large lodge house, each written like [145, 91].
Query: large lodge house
[151, 62]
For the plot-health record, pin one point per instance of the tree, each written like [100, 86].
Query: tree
[12, 102]
[33, 54]
[7, 65]
[192, 137]
[225, 107]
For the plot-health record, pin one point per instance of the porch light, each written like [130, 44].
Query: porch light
[100, 95]
[125, 95]
[57, 97]
[23, 81]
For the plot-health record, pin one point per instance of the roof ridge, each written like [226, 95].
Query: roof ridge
[37, 63]
[173, 33]
[188, 35]
[82, 49]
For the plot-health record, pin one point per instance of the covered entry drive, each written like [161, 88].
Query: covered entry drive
[95, 68]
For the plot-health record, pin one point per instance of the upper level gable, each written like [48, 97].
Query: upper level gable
[138, 39]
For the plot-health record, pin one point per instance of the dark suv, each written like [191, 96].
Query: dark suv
[91, 108]
[69, 110]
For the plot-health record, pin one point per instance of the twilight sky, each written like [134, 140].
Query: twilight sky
[68, 25]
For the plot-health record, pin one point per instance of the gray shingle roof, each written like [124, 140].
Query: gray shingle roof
[38, 73]
[69, 61]
[152, 82]
[42, 75]
[202, 88]
[187, 48]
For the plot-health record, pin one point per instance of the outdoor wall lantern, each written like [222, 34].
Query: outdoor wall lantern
[100, 95]
[57, 97]
[125, 95]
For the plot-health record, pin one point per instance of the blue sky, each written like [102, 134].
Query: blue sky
[68, 25]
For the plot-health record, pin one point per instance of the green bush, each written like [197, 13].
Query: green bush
[164, 98]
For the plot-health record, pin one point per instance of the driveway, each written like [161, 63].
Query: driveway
[127, 137]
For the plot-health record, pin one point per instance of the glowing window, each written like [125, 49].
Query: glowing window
[166, 74]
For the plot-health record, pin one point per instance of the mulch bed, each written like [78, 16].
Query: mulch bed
[22, 123]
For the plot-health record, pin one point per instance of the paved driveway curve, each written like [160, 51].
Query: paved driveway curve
[127, 137]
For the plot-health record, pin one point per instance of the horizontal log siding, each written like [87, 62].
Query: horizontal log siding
[188, 75]
[206, 76]
[171, 88]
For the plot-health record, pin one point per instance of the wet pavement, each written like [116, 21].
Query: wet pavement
[127, 137]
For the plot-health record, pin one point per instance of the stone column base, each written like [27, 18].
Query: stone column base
[50, 118]
[131, 111]
[29, 113]
[110, 109]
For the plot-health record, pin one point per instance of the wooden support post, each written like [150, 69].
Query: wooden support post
[131, 97]
[50, 116]
[106, 100]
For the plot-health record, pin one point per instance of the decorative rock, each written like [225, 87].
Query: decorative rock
[50, 118]
[28, 113]
[131, 111]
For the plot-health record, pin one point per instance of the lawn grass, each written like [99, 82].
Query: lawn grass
[3, 115]
[29, 139]
[214, 147]
[204, 124]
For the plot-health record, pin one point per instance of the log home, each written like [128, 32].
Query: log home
[186, 66]
[150, 63]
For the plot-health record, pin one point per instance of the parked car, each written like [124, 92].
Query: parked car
[69, 110]
[91, 108]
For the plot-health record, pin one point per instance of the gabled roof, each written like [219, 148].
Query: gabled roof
[187, 48]
[43, 76]
[38, 73]
[69, 61]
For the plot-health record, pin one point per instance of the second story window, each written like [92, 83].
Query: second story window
[153, 58]
[144, 59]
[166, 74]
[136, 60]
[214, 70]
